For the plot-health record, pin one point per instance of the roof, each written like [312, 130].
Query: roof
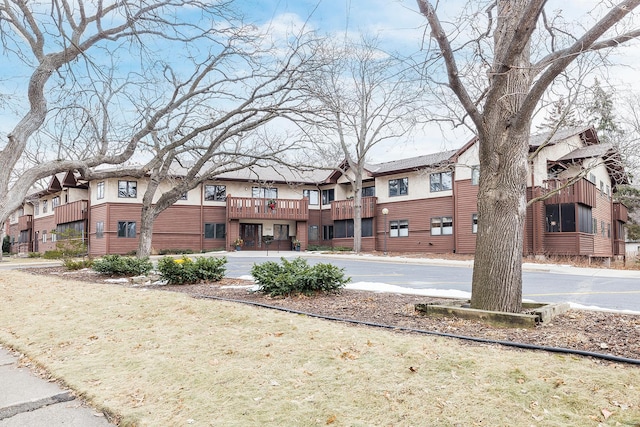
[277, 173]
[413, 163]
[587, 152]
[553, 137]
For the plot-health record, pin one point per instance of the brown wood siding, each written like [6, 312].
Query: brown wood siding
[419, 214]
[302, 234]
[534, 225]
[620, 212]
[97, 246]
[40, 225]
[25, 222]
[603, 245]
[466, 198]
[253, 208]
[569, 243]
[212, 215]
[121, 212]
[315, 218]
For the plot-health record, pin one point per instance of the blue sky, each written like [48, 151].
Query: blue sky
[399, 27]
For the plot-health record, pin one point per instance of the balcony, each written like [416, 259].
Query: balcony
[25, 222]
[254, 208]
[571, 243]
[620, 212]
[344, 209]
[582, 191]
[71, 212]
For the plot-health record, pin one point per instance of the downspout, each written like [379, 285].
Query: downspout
[202, 217]
[455, 210]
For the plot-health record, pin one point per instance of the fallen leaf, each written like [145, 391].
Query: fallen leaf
[606, 413]
[332, 419]
[412, 369]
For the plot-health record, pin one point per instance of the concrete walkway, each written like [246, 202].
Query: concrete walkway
[27, 400]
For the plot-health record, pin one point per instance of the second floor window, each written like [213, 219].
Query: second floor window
[398, 187]
[44, 206]
[215, 193]
[312, 195]
[264, 193]
[128, 189]
[55, 202]
[100, 190]
[328, 196]
[368, 191]
[440, 181]
[36, 208]
[475, 175]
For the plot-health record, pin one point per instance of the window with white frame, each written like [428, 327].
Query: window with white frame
[100, 190]
[440, 181]
[441, 226]
[36, 208]
[475, 175]
[44, 206]
[399, 228]
[54, 236]
[474, 223]
[398, 187]
[55, 202]
[215, 193]
[128, 189]
[44, 236]
[312, 195]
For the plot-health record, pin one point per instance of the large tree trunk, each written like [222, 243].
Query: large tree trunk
[357, 212]
[504, 144]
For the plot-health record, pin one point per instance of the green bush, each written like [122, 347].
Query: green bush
[175, 251]
[297, 277]
[71, 264]
[6, 244]
[185, 270]
[324, 248]
[54, 254]
[117, 265]
[70, 243]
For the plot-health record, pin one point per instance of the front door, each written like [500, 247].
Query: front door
[251, 234]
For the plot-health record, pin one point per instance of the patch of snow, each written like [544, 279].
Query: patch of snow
[252, 288]
[122, 280]
[383, 287]
[596, 308]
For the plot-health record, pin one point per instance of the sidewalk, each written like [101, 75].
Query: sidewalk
[26, 400]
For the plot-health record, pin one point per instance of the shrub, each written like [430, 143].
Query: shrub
[71, 264]
[185, 270]
[70, 243]
[175, 251]
[6, 244]
[117, 265]
[54, 254]
[34, 255]
[297, 277]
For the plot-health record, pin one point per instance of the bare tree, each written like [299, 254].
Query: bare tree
[362, 97]
[501, 110]
[68, 49]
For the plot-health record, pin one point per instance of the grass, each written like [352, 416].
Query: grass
[159, 358]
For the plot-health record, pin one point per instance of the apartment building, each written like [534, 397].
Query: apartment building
[421, 204]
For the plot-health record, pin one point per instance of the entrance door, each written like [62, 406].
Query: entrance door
[251, 234]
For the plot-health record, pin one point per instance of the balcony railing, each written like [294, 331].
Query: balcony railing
[345, 209]
[620, 212]
[582, 191]
[571, 243]
[71, 212]
[254, 208]
[25, 222]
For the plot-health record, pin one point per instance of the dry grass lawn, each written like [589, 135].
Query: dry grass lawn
[163, 359]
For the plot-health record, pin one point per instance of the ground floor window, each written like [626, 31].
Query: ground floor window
[442, 226]
[327, 232]
[399, 228]
[561, 218]
[127, 229]
[474, 223]
[313, 232]
[281, 232]
[99, 230]
[345, 228]
[214, 231]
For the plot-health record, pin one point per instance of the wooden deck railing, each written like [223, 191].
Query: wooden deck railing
[345, 209]
[254, 208]
[25, 222]
[582, 191]
[71, 212]
[620, 212]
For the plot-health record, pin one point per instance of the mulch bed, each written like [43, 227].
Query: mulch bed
[591, 331]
